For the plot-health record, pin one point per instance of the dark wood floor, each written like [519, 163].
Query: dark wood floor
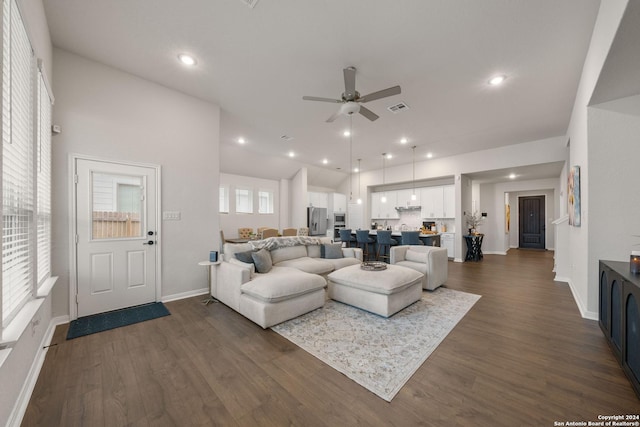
[522, 356]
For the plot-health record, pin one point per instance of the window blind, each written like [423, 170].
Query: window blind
[17, 163]
[43, 181]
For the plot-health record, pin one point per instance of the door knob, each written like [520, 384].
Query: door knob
[150, 242]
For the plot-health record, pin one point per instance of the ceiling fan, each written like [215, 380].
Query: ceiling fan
[351, 100]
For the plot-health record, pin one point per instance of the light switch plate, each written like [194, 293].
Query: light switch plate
[171, 216]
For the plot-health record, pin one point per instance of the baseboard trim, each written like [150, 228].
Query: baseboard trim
[494, 253]
[586, 314]
[183, 295]
[19, 409]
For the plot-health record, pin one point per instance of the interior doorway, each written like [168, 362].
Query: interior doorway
[531, 222]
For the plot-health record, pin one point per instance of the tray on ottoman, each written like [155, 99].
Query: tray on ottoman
[383, 292]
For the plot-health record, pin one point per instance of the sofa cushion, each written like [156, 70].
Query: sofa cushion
[245, 256]
[416, 256]
[262, 260]
[308, 265]
[339, 263]
[418, 266]
[331, 250]
[313, 251]
[281, 284]
[230, 249]
[393, 279]
[287, 253]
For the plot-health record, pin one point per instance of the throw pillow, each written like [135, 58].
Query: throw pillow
[245, 257]
[331, 251]
[262, 260]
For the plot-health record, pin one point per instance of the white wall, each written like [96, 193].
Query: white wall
[109, 114]
[299, 199]
[19, 371]
[583, 270]
[230, 222]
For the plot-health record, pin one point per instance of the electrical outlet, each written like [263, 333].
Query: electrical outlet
[171, 216]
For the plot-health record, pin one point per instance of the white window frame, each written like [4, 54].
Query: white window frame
[249, 191]
[26, 180]
[223, 199]
[270, 201]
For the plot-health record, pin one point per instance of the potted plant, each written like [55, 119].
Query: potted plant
[473, 221]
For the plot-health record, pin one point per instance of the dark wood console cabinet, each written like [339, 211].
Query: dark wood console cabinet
[619, 316]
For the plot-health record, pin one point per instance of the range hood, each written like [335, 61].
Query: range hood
[408, 208]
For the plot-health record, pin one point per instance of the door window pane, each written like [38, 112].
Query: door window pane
[117, 206]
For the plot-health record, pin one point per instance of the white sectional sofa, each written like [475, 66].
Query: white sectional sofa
[432, 261]
[294, 285]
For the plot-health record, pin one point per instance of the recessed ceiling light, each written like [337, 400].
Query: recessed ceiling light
[497, 80]
[512, 176]
[404, 141]
[346, 133]
[292, 154]
[187, 59]
[429, 155]
[389, 156]
[241, 140]
[325, 161]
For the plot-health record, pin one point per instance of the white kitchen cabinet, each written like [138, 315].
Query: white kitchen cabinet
[404, 198]
[339, 202]
[449, 201]
[448, 241]
[386, 210]
[318, 200]
[432, 202]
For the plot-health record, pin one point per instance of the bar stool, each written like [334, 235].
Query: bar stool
[363, 240]
[411, 238]
[346, 237]
[384, 244]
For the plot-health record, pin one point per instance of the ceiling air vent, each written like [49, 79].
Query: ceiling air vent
[250, 3]
[397, 108]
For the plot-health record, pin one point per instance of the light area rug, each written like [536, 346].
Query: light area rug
[380, 354]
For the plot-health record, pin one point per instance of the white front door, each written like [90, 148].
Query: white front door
[116, 235]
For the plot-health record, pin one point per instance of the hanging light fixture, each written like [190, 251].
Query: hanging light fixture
[413, 194]
[359, 201]
[383, 199]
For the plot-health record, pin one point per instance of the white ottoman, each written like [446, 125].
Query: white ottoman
[383, 292]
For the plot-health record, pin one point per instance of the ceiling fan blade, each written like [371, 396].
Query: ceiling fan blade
[380, 94]
[368, 113]
[333, 117]
[315, 98]
[350, 82]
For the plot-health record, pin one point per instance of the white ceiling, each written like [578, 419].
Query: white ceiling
[258, 63]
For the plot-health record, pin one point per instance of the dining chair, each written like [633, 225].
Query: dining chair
[289, 231]
[245, 232]
[269, 232]
[363, 240]
[346, 237]
[385, 241]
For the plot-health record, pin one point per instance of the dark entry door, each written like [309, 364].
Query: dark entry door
[532, 222]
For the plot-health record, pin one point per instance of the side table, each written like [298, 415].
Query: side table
[210, 297]
[474, 247]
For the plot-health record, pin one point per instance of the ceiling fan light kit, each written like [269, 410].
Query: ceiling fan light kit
[351, 100]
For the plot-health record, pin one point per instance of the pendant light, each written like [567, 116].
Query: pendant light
[413, 194]
[359, 201]
[383, 199]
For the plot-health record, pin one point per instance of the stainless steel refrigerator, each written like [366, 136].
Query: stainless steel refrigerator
[317, 221]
